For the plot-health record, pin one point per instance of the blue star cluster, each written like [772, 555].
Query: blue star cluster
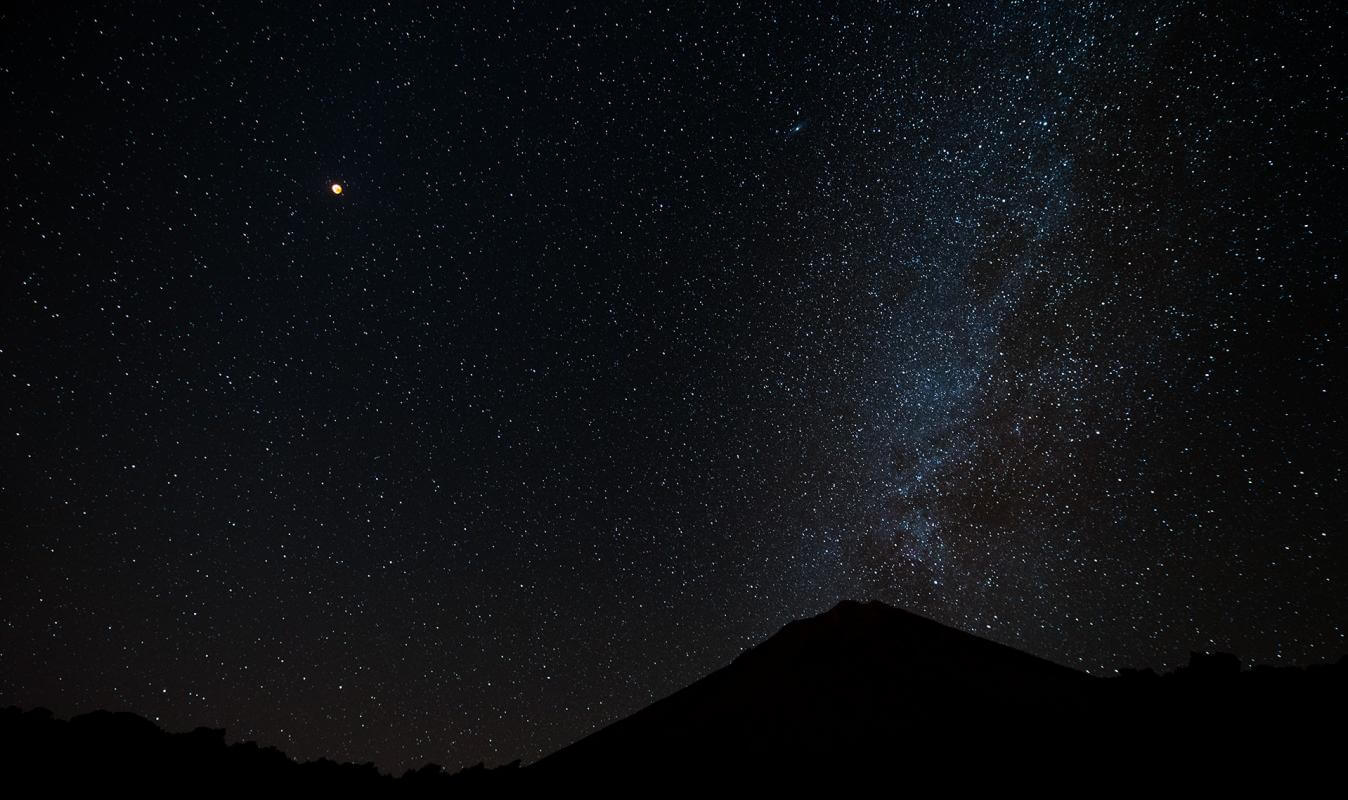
[638, 330]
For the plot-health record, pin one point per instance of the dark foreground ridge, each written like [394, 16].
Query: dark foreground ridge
[863, 688]
[105, 749]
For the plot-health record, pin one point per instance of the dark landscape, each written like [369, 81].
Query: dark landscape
[861, 690]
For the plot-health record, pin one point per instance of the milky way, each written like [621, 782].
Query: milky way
[635, 333]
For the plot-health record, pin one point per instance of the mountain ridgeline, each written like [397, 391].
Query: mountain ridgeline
[867, 686]
[863, 688]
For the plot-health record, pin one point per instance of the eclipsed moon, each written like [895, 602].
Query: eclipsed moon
[336, 188]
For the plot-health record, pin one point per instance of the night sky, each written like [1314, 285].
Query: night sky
[637, 332]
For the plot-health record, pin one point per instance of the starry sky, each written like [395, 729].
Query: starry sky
[641, 329]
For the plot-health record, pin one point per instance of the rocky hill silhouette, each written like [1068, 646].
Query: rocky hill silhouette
[861, 689]
[102, 750]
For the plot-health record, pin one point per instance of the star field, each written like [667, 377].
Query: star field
[638, 331]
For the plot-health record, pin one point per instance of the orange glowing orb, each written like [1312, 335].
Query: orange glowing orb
[336, 188]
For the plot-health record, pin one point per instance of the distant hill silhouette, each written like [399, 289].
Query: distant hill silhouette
[862, 689]
[104, 750]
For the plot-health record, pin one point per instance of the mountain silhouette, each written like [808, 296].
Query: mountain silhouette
[857, 676]
[861, 690]
[866, 687]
